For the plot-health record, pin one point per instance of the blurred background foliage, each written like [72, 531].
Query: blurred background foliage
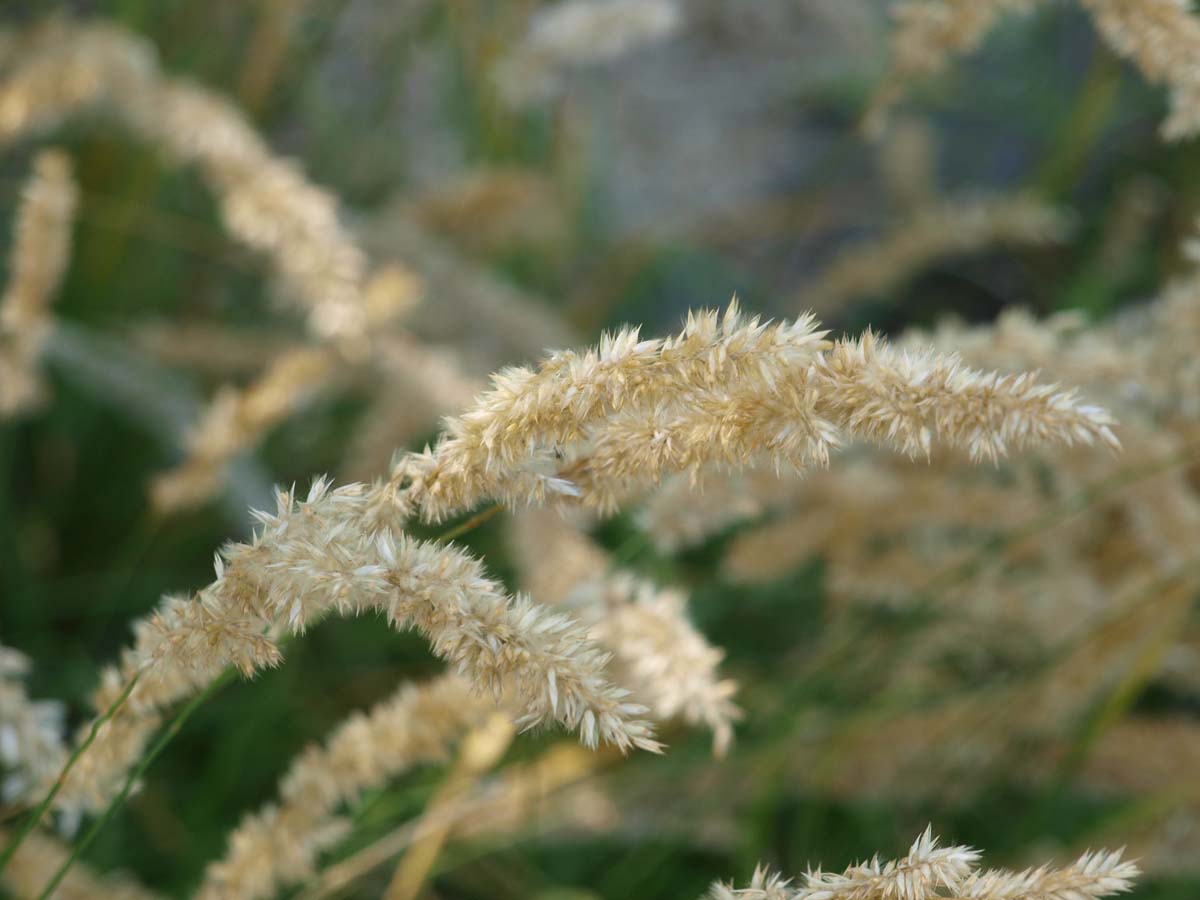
[726, 158]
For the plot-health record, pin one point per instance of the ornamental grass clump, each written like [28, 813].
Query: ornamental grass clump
[921, 470]
[343, 549]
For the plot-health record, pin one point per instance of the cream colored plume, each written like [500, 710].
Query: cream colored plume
[31, 733]
[279, 846]
[343, 551]
[728, 390]
[1160, 37]
[40, 856]
[39, 256]
[656, 650]
[578, 33]
[326, 555]
[929, 872]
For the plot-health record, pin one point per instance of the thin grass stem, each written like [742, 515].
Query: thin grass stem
[33, 820]
[168, 734]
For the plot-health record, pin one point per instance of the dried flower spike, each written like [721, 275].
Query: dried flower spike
[1160, 37]
[279, 845]
[930, 872]
[39, 256]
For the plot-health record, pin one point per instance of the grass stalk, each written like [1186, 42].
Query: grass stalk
[34, 819]
[168, 734]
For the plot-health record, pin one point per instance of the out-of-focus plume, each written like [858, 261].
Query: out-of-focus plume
[38, 258]
[580, 33]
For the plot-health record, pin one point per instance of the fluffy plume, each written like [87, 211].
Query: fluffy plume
[656, 650]
[906, 400]
[1056, 546]
[933, 232]
[764, 885]
[864, 389]
[1160, 37]
[1099, 874]
[279, 845]
[733, 403]
[266, 203]
[31, 732]
[497, 448]
[926, 869]
[38, 258]
[659, 654]
[320, 556]
[235, 421]
[725, 390]
[581, 32]
[64, 68]
[39, 857]
[930, 872]
[749, 384]
[928, 33]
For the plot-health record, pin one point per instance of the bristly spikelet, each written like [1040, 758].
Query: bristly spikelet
[1098, 874]
[907, 399]
[64, 67]
[594, 425]
[726, 389]
[658, 653]
[1160, 37]
[925, 870]
[235, 421]
[929, 872]
[279, 845]
[887, 530]
[593, 428]
[323, 556]
[864, 389]
[39, 256]
[500, 447]
[764, 885]
[656, 650]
